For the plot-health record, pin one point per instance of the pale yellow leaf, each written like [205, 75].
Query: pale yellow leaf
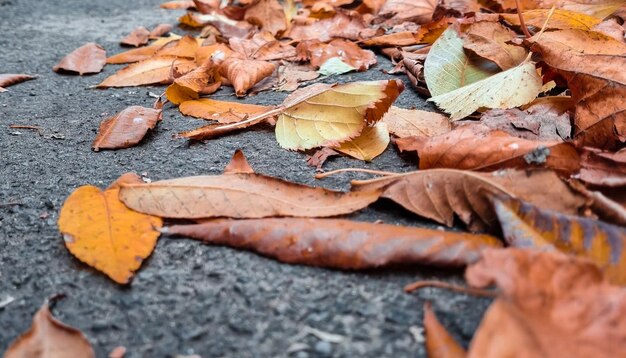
[371, 143]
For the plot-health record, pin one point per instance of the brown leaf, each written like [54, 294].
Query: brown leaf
[439, 343]
[160, 30]
[558, 19]
[290, 76]
[262, 46]
[154, 70]
[551, 305]
[221, 111]
[527, 226]
[440, 194]
[126, 128]
[413, 122]
[489, 40]
[341, 244]
[9, 79]
[348, 26]
[243, 73]
[604, 169]
[50, 338]
[476, 147]
[317, 53]
[269, 15]
[318, 158]
[592, 64]
[186, 47]
[240, 195]
[89, 58]
[228, 28]
[178, 5]
[399, 11]
[138, 37]
[142, 53]
[201, 81]
[607, 209]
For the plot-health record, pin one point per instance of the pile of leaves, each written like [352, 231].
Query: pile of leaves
[527, 153]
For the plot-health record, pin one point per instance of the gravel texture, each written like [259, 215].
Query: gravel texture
[188, 298]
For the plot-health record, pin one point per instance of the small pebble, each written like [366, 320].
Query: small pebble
[324, 348]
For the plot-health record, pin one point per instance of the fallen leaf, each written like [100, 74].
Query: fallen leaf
[341, 244]
[126, 128]
[413, 122]
[201, 81]
[318, 53]
[221, 111]
[526, 226]
[151, 71]
[611, 28]
[347, 26]
[603, 169]
[269, 15]
[440, 194]
[318, 158]
[102, 232]
[142, 53]
[560, 19]
[89, 58]
[447, 67]
[489, 40]
[604, 207]
[262, 46]
[178, 5]
[50, 338]
[159, 31]
[592, 64]
[9, 79]
[185, 48]
[371, 143]
[244, 73]
[291, 76]
[216, 53]
[439, 343]
[138, 37]
[550, 305]
[227, 27]
[399, 11]
[239, 195]
[322, 115]
[335, 66]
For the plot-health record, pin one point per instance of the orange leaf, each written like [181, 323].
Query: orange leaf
[202, 80]
[178, 4]
[142, 53]
[159, 30]
[89, 58]
[269, 15]
[50, 338]
[244, 74]
[318, 53]
[9, 79]
[151, 71]
[126, 128]
[103, 233]
[221, 111]
[341, 244]
[525, 225]
[439, 343]
[399, 11]
[138, 37]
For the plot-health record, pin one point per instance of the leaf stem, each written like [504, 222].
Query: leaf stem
[354, 170]
[521, 20]
[253, 120]
[449, 286]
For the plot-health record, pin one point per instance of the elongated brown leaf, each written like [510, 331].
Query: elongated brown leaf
[142, 53]
[50, 338]
[89, 58]
[350, 26]
[439, 343]
[153, 70]
[476, 147]
[525, 225]
[9, 79]
[603, 169]
[262, 46]
[550, 305]
[341, 244]
[439, 194]
[138, 37]
[244, 73]
[159, 31]
[126, 129]
[240, 195]
[221, 111]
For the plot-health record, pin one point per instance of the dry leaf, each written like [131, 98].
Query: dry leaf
[239, 195]
[138, 37]
[126, 129]
[476, 147]
[551, 305]
[50, 338]
[151, 71]
[489, 40]
[447, 67]
[159, 31]
[203, 80]
[318, 158]
[526, 226]
[262, 46]
[603, 169]
[186, 47]
[89, 58]
[142, 53]
[440, 194]
[227, 27]
[592, 64]
[269, 15]
[9, 79]
[322, 115]
[412, 122]
[560, 19]
[178, 5]
[343, 25]
[244, 73]
[439, 343]
[102, 232]
[341, 244]
[399, 11]
[318, 53]
[371, 143]
[291, 76]
[221, 111]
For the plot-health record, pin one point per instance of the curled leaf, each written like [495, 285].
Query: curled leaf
[151, 71]
[244, 73]
[202, 80]
[126, 128]
[89, 58]
[490, 40]
[138, 37]
[9, 79]
[341, 244]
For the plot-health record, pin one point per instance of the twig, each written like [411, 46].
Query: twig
[521, 20]
[357, 170]
[449, 286]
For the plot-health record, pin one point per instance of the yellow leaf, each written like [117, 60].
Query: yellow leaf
[448, 68]
[514, 87]
[321, 115]
[371, 143]
[150, 71]
[102, 232]
[560, 19]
